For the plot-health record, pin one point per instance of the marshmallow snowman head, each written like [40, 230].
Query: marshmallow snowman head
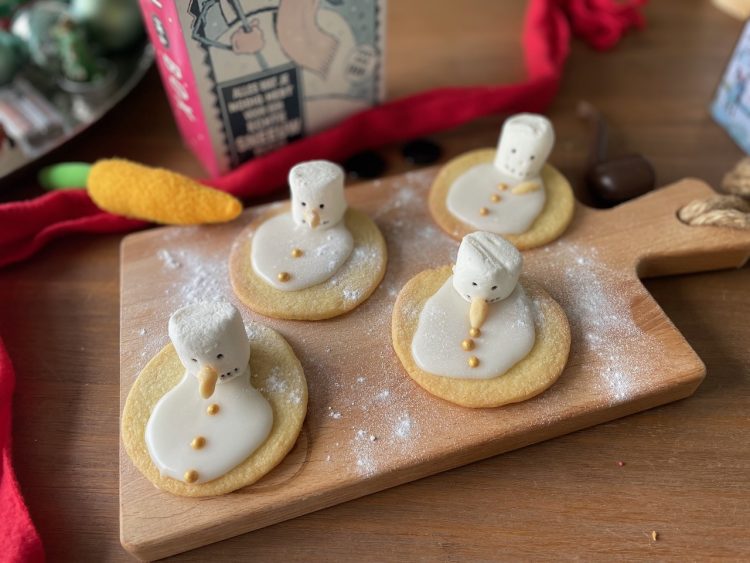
[524, 145]
[487, 267]
[211, 342]
[317, 190]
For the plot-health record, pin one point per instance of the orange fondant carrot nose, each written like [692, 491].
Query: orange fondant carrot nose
[207, 377]
[478, 312]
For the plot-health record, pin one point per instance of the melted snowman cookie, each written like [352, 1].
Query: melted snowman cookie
[313, 260]
[509, 190]
[197, 421]
[477, 336]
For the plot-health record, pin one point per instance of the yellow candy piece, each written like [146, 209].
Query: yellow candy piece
[157, 195]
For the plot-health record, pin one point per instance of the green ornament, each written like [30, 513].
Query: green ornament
[78, 62]
[34, 25]
[114, 25]
[13, 56]
[7, 7]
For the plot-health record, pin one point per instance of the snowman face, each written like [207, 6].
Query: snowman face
[490, 287]
[317, 194]
[524, 146]
[487, 267]
[210, 335]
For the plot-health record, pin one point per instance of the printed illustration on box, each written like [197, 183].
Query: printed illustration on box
[285, 68]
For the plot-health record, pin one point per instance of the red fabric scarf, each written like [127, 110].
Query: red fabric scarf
[27, 226]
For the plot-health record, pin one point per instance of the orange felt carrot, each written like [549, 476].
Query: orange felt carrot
[157, 195]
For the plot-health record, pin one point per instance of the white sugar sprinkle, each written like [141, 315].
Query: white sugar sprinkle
[168, 259]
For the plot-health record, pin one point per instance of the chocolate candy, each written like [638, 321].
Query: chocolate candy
[620, 179]
[613, 180]
[421, 152]
[366, 164]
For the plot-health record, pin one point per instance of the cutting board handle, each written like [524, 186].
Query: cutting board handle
[647, 232]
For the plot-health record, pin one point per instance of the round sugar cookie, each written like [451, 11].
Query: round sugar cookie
[270, 356]
[529, 377]
[549, 224]
[355, 281]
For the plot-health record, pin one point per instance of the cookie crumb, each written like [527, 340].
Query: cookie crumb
[621, 463]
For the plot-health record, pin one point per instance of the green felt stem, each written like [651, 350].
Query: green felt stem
[64, 176]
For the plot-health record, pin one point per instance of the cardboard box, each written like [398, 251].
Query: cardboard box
[247, 76]
[731, 105]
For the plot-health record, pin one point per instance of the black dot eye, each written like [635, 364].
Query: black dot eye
[193, 359]
[474, 284]
[303, 204]
[236, 369]
[322, 205]
[513, 151]
[532, 157]
[219, 356]
[494, 287]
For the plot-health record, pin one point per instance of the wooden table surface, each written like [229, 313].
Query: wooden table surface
[687, 465]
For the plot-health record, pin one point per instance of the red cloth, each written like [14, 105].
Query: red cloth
[19, 541]
[27, 226]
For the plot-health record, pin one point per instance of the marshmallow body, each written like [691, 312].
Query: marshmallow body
[487, 267]
[317, 189]
[525, 143]
[210, 334]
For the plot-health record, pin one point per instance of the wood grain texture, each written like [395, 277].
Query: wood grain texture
[359, 442]
[687, 471]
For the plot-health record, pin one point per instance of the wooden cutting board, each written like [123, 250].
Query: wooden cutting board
[369, 427]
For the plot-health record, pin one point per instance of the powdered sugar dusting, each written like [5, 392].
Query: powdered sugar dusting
[168, 259]
[594, 298]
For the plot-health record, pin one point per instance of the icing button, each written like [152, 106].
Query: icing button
[366, 164]
[212, 409]
[191, 476]
[283, 276]
[198, 442]
[483, 211]
[467, 344]
[421, 151]
[474, 332]
[296, 253]
[502, 186]
[473, 362]
[494, 198]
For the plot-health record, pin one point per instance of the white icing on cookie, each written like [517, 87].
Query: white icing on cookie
[322, 252]
[183, 434]
[242, 423]
[473, 190]
[507, 335]
[476, 197]
[306, 247]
